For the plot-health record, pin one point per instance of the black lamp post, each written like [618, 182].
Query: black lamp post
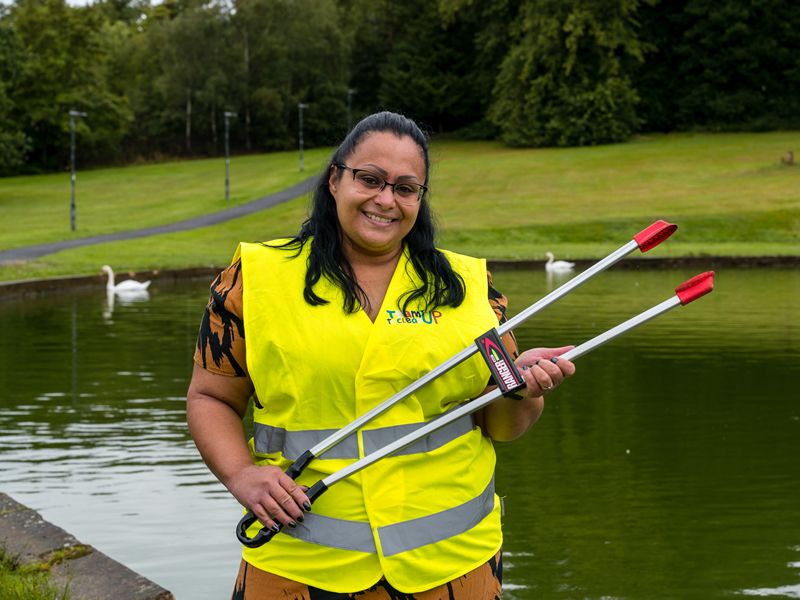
[72, 210]
[350, 92]
[300, 107]
[228, 116]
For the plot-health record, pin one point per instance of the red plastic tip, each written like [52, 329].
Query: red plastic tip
[655, 234]
[697, 286]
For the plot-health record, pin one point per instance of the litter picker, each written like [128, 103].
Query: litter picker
[645, 240]
[685, 293]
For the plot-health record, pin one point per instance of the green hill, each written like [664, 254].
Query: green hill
[730, 194]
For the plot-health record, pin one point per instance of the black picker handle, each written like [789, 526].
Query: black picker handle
[265, 535]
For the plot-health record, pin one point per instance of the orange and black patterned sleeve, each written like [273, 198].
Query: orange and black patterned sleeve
[499, 304]
[220, 343]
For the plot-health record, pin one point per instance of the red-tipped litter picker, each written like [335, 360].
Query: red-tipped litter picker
[644, 241]
[694, 288]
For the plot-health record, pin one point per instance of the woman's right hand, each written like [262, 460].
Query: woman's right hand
[271, 494]
[215, 407]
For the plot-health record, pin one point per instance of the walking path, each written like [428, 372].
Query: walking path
[35, 251]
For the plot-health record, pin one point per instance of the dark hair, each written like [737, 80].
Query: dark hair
[440, 284]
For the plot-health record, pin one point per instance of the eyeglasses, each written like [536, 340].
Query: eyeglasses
[369, 182]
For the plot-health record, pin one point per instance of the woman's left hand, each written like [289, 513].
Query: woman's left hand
[510, 417]
[542, 370]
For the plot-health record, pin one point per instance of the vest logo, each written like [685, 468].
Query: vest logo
[413, 317]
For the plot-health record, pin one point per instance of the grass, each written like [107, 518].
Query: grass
[118, 199]
[729, 193]
[22, 583]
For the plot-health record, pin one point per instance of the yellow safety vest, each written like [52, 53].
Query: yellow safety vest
[421, 517]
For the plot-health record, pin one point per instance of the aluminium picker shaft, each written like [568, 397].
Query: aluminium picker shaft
[694, 288]
[645, 240]
[685, 293]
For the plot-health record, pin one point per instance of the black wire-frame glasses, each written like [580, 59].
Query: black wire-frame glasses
[373, 183]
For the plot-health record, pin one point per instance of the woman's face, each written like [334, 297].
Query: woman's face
[375, 223]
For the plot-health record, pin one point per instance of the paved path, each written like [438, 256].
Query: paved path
[31, 252]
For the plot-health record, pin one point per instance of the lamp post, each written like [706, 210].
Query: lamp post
[350, 92]
[300, 107]
[228, 116]
[72, 115]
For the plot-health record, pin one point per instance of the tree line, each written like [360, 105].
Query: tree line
[156, 80]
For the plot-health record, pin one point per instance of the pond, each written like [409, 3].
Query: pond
[667, 467]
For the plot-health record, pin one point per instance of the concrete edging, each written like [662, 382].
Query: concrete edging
[639, 262]
[38, 287]
[34, 287]
[84, 572]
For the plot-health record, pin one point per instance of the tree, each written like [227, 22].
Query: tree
[655, 78]
[565, 79]
[739, 64]
[188, 49]
[14, 144]
[63, 66]
[290, 52]
[432, 71]
[724, 65]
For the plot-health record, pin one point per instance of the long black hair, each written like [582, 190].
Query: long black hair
[440, 284]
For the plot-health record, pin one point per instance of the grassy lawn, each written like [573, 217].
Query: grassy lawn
[729, 194]
[118, 199]
[24, 584]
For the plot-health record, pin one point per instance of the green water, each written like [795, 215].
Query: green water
[668, 467]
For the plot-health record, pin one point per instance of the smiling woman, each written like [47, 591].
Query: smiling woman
[374, 215]
[308, 326]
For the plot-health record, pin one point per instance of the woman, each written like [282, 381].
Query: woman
[337, 319]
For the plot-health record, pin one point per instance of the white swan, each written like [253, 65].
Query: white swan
[129, 286]
[558, 266]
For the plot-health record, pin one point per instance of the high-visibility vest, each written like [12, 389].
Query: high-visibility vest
[421, 517]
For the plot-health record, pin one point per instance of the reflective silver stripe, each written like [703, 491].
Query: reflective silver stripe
[414, 533]
[291, 444]
[375, 439]
[400, 537]
[336, 533]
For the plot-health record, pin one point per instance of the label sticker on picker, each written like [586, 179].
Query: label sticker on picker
[504, 371]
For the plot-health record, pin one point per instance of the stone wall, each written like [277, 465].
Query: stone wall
[86, 573]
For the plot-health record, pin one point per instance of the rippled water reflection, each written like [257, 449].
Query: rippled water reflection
[667, 468]
[93, 433]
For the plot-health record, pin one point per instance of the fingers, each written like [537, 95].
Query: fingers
[298, 494]
[539, 380]
[275, 498]
[551, 352]
[285, 502]
[567, 367]
[530, 356]
[543, 370]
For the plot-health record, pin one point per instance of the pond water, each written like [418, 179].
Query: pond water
[668, 467]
